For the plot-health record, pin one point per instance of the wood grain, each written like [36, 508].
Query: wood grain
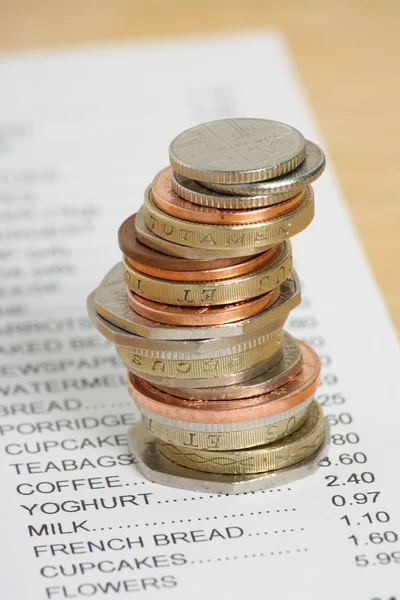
[346, 52]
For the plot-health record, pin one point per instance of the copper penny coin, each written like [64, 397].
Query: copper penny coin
[170, 202]
[135, 250]
[214, 274]
[296, 390]
[200, 316]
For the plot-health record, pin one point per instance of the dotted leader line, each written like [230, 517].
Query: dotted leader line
[246, 556]
[212, 496]
[276, 531]
[195, 498]
[198, 519]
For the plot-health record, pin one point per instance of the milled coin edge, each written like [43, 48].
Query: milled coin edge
[158, 469]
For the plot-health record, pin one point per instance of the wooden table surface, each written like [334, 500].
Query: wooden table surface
[347, 53]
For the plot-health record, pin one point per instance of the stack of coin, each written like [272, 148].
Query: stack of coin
[198, 305]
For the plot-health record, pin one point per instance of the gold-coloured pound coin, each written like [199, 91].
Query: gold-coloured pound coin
[225, 440]
[148, 238]
[208, 368]
[282, 453]
[209, 293]
[255, 235]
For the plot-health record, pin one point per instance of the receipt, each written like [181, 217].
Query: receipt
[82, 133]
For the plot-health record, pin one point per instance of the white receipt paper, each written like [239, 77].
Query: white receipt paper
[82, 133]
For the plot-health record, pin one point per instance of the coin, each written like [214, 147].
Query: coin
[236, 360]
[209, 293]
[168, 201]
[205, 315]
[259, 364]
[277, 455]
[228, 427]
[243, 267]
[110, 302]
[195, 192]
[198, 305]
[293, 392]
[200, 235]
[147, 237]
[291, 183]
[130, 245]
[155, 467]
[176, 349]
[237, 150]
[267, 381]
[225, 440]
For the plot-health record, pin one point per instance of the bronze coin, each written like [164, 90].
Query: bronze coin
[200, 316]
[135, 250]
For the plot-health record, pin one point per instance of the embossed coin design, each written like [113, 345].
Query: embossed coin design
[225, 440]
[293, 392]
[228, 427]
[130, 245]
[237, 150]
[291, 183]
[224, 291]
[198, 317]
[147, 237]
[232, 378]
[277, 455]
[270, 379]
[110, 302]
[180, 349]
[235, 360]
[200, 235]
[153, 465]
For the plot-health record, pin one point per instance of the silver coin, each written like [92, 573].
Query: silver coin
[148, 238]
[111, 303]
[213, 427]
[289, 184]
[267, 381]
[232, 379]
[178, 349]
[237, 150]
[228, 427]
[195, 192]
[159, 469]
